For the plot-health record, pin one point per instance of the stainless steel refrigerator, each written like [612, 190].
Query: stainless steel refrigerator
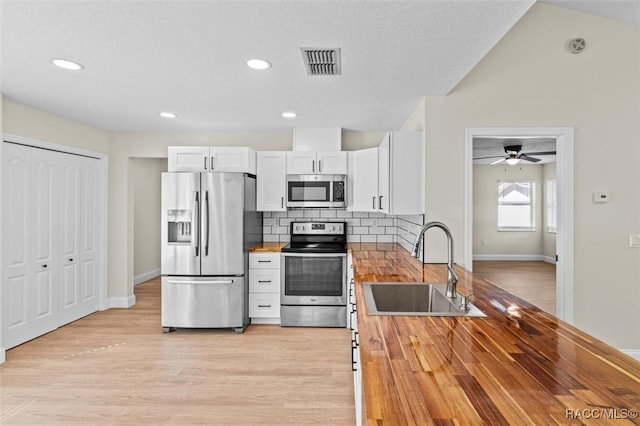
[209, 221]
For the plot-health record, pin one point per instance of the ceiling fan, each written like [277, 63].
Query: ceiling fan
[513, 155]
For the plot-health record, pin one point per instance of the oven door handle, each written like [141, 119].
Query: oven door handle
[290, 254]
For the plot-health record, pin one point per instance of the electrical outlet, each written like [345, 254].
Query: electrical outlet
[483, 243]
[600, 197]
[634, 240]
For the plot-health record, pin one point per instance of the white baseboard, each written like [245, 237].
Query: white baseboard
[122, 302]
[633, 353]
[514, 257]
[2, 355]
[138, 279]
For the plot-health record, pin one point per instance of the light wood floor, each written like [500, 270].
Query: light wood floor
[534, 282]
[117, 367]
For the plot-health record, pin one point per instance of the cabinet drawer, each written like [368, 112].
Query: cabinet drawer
[264, 260]
[264, 305]
[264, 281]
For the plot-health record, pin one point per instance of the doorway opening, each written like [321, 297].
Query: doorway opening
[515, 149]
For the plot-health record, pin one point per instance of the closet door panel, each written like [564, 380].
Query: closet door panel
[89, 224]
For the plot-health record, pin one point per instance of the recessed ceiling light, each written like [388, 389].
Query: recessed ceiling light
[258, 64]
[167, 115]
[289, 114]
[67, 64]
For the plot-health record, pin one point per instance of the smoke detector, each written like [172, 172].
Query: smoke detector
[576, 45]
[321, 61]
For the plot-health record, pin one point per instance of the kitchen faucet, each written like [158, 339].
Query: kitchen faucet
[452, 279]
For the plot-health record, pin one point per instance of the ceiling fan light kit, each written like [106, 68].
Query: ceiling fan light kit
[513, 155]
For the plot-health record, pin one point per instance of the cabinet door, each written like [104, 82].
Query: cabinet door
[232, 159]
[332, 162]
[188, 158]
[271, 181]
[364, 180]
[301, 162]
[384, 200]
[89, 237]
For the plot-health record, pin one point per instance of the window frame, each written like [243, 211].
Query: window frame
[531, 203]
[551, 205]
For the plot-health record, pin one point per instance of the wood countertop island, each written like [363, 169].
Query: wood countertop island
[518, 365]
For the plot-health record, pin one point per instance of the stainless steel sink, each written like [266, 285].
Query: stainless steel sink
[418, 299]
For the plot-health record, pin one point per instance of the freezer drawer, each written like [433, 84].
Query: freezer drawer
[203, 302]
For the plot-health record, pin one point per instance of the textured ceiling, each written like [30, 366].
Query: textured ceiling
[493, 147]
[188, 57]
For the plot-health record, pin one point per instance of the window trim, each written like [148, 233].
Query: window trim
[532, 207]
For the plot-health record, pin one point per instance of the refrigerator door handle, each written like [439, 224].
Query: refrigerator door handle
[206, 222]
[196, 222]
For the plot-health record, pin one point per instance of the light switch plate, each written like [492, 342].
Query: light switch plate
[600, 197]
[634, 240]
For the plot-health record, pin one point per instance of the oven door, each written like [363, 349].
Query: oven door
[313, 279]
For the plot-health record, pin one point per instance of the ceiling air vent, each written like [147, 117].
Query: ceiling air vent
[321, 61]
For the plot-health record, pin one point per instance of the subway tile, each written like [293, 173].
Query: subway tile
[268, 221]
[266, 214]
[386, 222]
[285, 221]
[353, 222]
[278, 214]
[311, 213]
[385, 239]
[279, 230]
[343, 214]
[368, 222]
[328, 213]
[295, 213]
[285, 238]
[360, 230]
[360, 214]
[269, 238]
[353, 238]
[391, 230]
[367, 238]
[376, 230]
[376, 215]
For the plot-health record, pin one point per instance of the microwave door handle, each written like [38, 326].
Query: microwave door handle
[196, 222]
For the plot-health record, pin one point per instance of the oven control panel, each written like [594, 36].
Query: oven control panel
[322, 228]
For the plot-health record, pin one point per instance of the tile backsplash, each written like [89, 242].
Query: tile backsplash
[362, 227]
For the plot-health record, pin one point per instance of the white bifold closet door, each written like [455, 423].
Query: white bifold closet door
[50, 244]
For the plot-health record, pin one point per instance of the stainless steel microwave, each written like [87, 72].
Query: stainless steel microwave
[316, 191]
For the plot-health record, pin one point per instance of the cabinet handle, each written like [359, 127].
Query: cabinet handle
[380, 203]
[205, 163]
[319, 166]
[282, 202]
[213, 164]
[44, 266]
[374, 203]
[264, 281]
[313, 166]
[264, 306]
[71, 259]
[264, 261]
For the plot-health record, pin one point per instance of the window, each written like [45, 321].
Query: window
[516, 206]
[552, 206]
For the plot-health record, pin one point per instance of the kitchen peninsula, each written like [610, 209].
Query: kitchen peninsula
[517, 365]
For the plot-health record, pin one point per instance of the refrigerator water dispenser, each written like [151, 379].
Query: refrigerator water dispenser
[179, 226]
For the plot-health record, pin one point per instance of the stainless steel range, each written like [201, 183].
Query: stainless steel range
[314, 279]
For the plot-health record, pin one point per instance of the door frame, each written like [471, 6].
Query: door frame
[565, 190]
[103, 176]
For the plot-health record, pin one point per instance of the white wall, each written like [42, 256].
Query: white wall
[2, 350]
[528, 79]
[548, 238]
[146, 222]
[485, 212]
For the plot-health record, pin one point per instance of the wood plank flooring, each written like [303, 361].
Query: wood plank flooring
[117, 367]
[532, 281]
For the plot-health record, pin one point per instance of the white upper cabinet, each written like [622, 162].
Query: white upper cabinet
[271, 181]
[389, 179]
[320, 162]
[211, 159]
[363, 180]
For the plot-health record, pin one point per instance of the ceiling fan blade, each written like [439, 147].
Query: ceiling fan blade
[527, 158]
[499, 161]
[540, 153]
[485, 158]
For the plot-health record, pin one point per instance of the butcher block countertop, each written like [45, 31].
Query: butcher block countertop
[517, 365]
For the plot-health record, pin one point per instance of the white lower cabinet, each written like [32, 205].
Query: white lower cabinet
[352, 323]
[264, 288]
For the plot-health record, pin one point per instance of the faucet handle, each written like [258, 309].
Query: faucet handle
[464, 301]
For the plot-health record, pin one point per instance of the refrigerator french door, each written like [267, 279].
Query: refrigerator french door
[203, 249]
